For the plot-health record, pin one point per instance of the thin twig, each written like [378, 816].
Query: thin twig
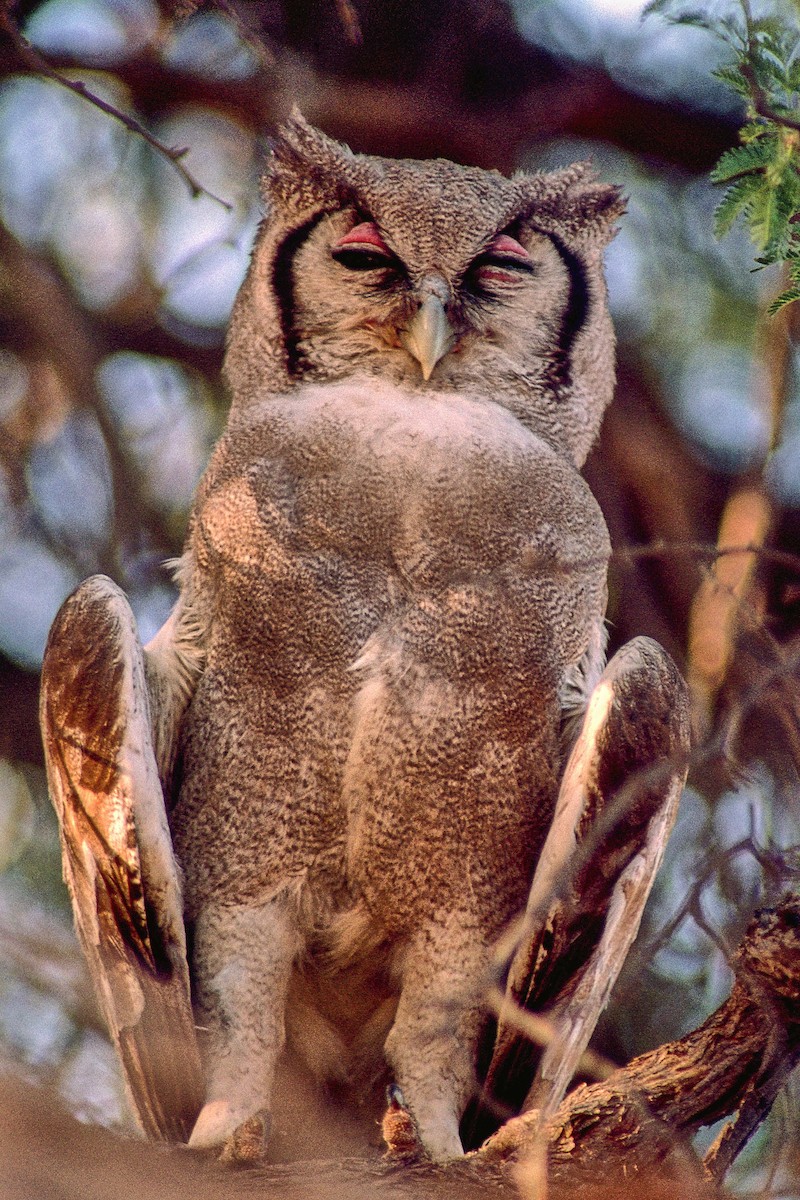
[349, 19]
[39, 66]
[704, 550]
[542, 1032]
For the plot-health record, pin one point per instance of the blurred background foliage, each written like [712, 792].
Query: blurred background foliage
[115, 287]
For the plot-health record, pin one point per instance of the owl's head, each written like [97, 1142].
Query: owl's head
[434, 276]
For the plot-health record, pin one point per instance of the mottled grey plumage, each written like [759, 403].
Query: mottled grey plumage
[393, 580]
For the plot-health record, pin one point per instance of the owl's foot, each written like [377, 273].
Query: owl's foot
[247, 1144]
[243, 955]
[431, 1045]
[399, 1130]
[241, 1141]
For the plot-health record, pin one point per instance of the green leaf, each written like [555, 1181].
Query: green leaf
[733, 78]
[768, 26]
[762, 174]
[755, 129]
[787, 201]
[787, 297]
[785, 110]
[695, 18]
[735, 201]
[742, 159]
[769, 215]
[771, 68]
[735, 28]
[672, 11]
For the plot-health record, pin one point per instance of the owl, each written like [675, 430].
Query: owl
[376, 728]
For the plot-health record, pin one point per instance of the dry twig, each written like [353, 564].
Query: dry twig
[38, 64]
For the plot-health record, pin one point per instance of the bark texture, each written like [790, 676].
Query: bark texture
[642, 1116]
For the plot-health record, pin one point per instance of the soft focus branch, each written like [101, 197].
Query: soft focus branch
[57, 331]
[38, 64]
[46, 956]
[428, 105]
[730, 590]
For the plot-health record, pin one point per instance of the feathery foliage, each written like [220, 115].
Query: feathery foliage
[762, 174]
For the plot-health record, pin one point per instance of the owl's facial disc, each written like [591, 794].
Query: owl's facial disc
[428, 334]
[430, 318]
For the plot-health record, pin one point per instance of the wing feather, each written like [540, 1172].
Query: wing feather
[117, 852]
[616, 806]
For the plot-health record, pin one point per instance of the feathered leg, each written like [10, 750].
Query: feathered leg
[431, 1046]
[243, 956]
[616, 806]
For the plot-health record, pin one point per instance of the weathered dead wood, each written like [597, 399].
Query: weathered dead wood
[640, 1118]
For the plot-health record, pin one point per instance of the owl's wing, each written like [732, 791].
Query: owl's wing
[616, 806]
[117, 852]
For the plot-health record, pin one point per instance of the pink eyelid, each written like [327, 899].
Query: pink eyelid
[505, 244]
[365, 234]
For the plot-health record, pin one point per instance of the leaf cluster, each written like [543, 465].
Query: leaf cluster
[762, 174]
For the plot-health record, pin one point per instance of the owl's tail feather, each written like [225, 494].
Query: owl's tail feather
[117, 851]
[615, 809]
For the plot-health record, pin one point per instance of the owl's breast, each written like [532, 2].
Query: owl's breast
[434, 480]
[345, 499]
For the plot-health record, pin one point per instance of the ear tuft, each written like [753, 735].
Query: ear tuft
[305, 165]
[576, 202]
[591, 206]
[601, 201]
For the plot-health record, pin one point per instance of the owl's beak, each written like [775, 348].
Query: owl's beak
[428, 335]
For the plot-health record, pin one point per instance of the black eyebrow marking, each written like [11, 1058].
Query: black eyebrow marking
[577, 308]
[283, 284]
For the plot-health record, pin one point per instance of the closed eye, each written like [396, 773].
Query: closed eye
[505, 260]
[362, 258]
[501, 266]
[363, 249]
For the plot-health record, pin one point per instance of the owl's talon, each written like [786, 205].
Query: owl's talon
[247, 1144]
[240, 1140]
[399, 1129]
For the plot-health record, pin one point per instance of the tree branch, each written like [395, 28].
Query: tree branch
[57, 330]
[734, 1063]
[40, 66]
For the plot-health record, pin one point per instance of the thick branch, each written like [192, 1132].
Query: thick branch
[734, 1063]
